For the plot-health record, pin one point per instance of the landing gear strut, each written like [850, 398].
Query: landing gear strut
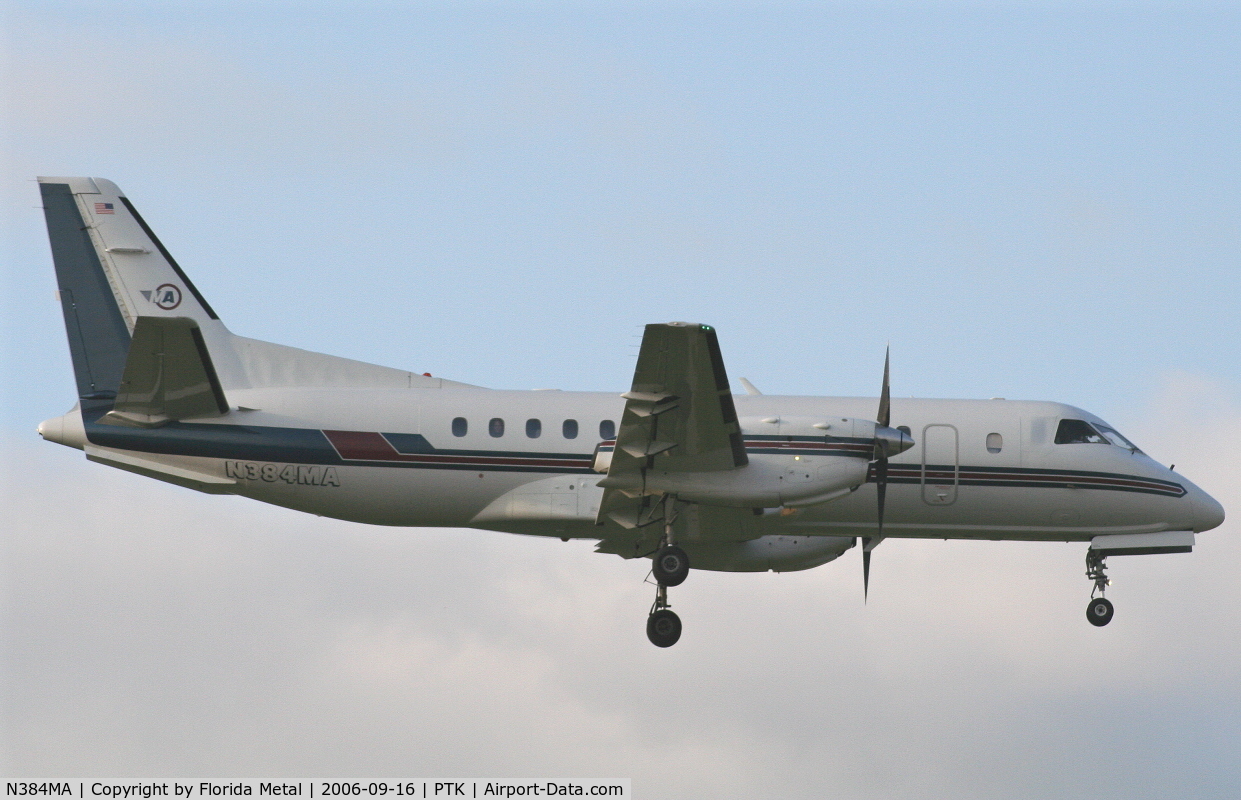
[670, 568]
[1100, 610]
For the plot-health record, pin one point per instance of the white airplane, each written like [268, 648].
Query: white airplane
[677, 469]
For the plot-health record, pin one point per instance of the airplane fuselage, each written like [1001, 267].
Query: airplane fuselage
[980, 469]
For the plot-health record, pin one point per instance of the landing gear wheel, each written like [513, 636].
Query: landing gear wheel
[663, 628]
[671, 566]
[1099, 612]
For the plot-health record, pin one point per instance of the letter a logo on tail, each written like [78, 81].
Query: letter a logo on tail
[167, 297]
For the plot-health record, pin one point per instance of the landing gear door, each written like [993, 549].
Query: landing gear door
[940, 465]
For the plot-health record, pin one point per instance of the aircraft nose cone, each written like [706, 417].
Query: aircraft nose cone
[891, 441]
[1208, 513]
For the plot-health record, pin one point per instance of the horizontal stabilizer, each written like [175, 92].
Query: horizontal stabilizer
[168, 375]
[152, 466]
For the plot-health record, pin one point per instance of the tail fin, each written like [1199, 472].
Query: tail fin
[111, 269]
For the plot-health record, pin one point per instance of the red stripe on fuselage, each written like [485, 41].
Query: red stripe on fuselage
[362, 446]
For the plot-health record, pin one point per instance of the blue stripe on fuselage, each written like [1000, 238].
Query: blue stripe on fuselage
[311, 446]
[204, 440]
[291, 445]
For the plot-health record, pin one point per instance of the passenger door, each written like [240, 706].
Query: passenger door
[940, 464]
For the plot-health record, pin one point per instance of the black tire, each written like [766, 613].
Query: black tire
[663, 628]
[671, 566]
[1099, 612]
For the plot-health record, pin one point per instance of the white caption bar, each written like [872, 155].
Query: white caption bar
[327, 790]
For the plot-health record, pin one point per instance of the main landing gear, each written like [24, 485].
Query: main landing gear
[1100, 610]
[670, 568]
[663, 626]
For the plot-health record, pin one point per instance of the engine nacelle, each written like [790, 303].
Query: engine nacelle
[792, 461]
[768, 481]
[775, 553]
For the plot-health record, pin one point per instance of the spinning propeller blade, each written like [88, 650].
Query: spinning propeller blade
[865, 570]
[885, 397]
[881, 462]
[885, 444]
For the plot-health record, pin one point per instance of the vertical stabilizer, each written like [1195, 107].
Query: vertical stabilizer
[98, 335]
[111, 269]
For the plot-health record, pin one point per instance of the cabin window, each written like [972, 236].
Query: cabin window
[534, 428]
[995, 442]
[607, 430]
[460, 426]
[1076, 431]
[496, 427]
[569, 429]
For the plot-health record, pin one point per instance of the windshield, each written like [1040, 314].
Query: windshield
[1115, 438]
[1078, 431]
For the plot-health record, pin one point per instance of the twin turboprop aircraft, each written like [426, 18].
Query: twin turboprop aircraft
[677, 469]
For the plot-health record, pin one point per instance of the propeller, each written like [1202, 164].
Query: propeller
[888, 442]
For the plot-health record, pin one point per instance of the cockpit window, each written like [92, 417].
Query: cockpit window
[1115, 438]
[1076, 431]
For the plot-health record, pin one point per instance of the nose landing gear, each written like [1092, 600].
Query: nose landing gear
[1099, 611]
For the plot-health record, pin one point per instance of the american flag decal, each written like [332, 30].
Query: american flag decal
[104, 208]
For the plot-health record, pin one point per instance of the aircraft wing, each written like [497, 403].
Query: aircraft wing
[679, 417]
[680, 408]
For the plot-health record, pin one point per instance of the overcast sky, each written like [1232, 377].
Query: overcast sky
[1027, 200]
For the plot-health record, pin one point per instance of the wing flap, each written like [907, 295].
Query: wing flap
[650, 448]
[695, 524]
